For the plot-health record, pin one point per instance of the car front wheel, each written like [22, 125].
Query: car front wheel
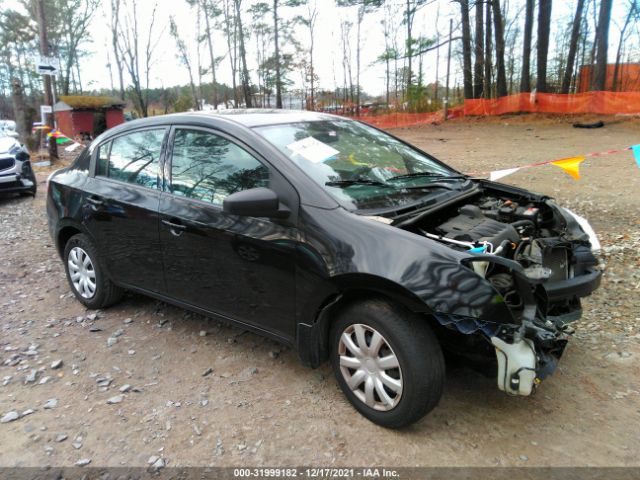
[86, 276]
[387, 362]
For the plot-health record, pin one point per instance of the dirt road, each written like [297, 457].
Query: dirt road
[146, 394]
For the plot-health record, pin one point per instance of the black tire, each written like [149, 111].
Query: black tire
[106, 292]
[418, 353]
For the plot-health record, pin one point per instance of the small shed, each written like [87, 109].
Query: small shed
[86, 116]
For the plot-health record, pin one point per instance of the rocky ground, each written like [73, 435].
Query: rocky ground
[144, 382]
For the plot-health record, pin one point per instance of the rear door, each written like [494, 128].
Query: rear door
[240, 267]
[121, 207]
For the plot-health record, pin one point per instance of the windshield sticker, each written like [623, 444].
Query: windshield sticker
[313, 150]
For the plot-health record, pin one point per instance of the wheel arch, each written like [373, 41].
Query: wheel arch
[67, 228]
[313, 331]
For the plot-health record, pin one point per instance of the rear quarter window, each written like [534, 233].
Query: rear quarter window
[102, 159]
[82, 161]
[132, 158]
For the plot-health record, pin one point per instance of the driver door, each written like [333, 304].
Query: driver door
[239, 267]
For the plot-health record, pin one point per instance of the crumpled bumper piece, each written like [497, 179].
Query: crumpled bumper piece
[468, 325]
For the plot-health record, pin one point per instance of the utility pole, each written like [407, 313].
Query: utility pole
[48, 90]
[446, 95]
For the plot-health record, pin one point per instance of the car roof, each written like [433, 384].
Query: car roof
[247, 118]
[252, 117]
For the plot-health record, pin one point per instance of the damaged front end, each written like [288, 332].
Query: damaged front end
[528, 255]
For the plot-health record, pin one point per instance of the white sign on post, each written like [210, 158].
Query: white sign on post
[47, 65]
[44, 110]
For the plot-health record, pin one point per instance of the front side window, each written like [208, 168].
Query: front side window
[208, 167]
[135, 158]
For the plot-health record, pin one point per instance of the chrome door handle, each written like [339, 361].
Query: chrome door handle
[174, 227]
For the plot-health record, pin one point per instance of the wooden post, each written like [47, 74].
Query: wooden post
[48, 90]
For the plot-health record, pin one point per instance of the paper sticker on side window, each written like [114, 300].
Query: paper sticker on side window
[313, 150]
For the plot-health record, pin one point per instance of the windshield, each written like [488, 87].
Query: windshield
[361, 167]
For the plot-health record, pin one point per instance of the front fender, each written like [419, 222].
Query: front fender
[338, 258]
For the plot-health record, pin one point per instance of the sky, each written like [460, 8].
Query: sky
[168, 71]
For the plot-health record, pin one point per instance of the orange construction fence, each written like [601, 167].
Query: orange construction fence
[606, 103]
[401, 119]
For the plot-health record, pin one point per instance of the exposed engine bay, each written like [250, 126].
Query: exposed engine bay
[539, 260]
[526, 232]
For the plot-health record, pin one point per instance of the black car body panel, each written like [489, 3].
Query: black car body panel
[283, 276]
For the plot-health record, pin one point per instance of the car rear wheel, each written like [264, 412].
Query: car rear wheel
[387, 362]
[86, 276]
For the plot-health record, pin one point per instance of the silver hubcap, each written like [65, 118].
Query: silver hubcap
[370, 367]
[82, 273]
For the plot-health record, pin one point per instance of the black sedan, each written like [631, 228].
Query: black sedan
[333, 237]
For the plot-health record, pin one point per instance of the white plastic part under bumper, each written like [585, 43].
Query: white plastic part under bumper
[516, 366]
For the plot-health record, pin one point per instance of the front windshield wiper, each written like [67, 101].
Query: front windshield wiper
[356, 181]
[439, 176]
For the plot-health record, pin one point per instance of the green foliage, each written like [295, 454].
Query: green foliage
[183, 103]
[366, 5]
[90, 101]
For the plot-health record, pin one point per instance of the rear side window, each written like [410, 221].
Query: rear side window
[209, 167]
[134, 158]
[103, 159]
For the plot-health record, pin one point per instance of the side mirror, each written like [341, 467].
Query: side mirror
[255, 202]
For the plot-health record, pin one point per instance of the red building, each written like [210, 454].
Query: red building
[86, 116]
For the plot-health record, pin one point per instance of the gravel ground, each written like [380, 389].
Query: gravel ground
[144, 381]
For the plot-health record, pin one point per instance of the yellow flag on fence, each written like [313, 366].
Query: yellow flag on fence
[570, 165]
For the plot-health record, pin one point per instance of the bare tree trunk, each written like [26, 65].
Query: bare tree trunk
[230, 31]
[244, 72]
[467, 72]
[277, 55]
[78, 73]
[616, 72]
[478, 72]
[487, 50]
[110, 68]
[183, 55]
[115, 15]
[446, 94]
[602, 44]
[525, 79]
[544, 26]
[501, 80]
[23, 122]
[360, 18]
[409, 43]
[312, 24]
[435, 84]
[387, 78]
[212, 58]
[573, 47]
